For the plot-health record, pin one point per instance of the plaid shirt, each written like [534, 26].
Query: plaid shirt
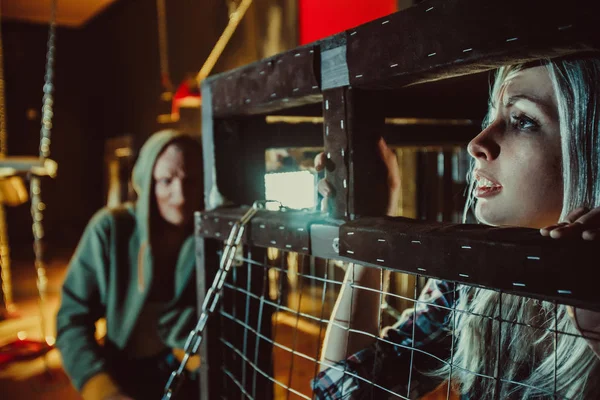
[384, 369]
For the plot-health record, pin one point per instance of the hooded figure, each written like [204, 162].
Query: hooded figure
[134, 266]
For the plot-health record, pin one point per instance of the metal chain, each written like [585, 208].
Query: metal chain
[35, 187]
[213, 296]
[2, 103]
[48, 100]
[5, 275]
[5, 268]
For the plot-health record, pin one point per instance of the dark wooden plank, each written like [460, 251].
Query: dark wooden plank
[335, 138]
[283, 81]
[353, 124]
[496, 258]
[287, 231]
[515, 260]
[438, 39]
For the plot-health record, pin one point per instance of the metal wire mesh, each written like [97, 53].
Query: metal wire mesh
[277, 306]
[296, 294]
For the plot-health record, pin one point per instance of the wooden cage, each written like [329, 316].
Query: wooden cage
[429, 61]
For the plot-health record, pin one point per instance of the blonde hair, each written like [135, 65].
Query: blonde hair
[514, 338]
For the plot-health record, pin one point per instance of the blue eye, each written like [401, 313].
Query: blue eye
[524, 123]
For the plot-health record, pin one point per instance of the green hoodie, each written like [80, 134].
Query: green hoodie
[110, 275]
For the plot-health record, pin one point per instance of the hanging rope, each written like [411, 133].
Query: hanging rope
[234, 20]
[5, 268]
[37, 205]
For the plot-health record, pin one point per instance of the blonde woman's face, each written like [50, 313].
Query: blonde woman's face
[518, 156]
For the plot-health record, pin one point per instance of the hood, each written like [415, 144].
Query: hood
[142, 176]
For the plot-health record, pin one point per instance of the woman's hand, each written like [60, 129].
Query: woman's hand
[588, 325]
[585, 223]
[393, 178]
[358, 309]
[581, 222]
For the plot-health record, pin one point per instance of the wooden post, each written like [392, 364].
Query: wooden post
[352, 127]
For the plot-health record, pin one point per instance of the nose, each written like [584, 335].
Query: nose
[177, 193]
[485, 146]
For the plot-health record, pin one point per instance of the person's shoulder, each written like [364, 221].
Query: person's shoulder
[105, 218]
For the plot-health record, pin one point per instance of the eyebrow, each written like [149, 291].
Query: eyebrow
[546, 108]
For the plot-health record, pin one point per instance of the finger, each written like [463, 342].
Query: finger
[546, 230]
[576, 214]
[567, 231]
[393, 176]
[324, 203]
[324, 188]
[388, 156]
[590, 218]
[384, 149]
[320, 160]
[591, 234]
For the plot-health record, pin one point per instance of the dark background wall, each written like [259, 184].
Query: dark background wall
[70, 197]
[107, 84]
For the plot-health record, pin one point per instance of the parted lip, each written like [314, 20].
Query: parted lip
[479, 174]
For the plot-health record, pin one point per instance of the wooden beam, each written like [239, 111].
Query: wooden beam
[514, 260]
[289, 79]
[438, 39]
[352, 126]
